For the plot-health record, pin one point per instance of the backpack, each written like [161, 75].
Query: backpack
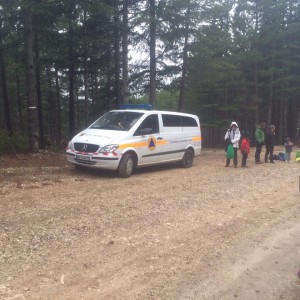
[297, 158]
[227, 143]
[282, 156]
[228, 140]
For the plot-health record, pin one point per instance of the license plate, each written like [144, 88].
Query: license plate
[82, 157]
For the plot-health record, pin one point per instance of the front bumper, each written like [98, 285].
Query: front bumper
[93, 160]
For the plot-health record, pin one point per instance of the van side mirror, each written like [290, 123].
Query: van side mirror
[146, 131]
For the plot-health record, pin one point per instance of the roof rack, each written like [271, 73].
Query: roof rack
[135, 106]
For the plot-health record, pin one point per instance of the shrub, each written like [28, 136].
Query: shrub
[15, 143]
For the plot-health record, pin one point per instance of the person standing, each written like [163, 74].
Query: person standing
[233, 135]
[245, 149]
[270, 142]
[259, 140]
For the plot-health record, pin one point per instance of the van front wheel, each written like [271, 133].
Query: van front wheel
[188, 158]
[126, 166]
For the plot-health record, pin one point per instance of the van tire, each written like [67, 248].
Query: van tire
[126, 165]
[188, 158]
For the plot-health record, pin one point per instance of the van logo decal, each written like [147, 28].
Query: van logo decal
[84, 147]
[151, 143]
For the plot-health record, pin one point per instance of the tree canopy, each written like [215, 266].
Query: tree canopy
[64, 63]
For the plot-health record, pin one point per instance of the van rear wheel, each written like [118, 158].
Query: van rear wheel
[188, 158]
[126, 166]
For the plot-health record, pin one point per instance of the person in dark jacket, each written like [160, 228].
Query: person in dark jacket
[259, 140]
[270, 142]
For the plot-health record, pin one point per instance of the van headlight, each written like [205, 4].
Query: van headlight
[71, 146]
[109, 149]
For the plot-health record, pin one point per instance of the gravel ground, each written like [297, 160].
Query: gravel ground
[207, 232]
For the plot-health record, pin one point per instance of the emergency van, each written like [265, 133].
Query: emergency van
[126, 139]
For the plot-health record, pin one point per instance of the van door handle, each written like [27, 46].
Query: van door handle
[159, 138]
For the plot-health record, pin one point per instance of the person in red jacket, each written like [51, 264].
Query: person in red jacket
[245, 149]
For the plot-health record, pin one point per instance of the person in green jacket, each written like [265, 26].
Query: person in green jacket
[259, 140]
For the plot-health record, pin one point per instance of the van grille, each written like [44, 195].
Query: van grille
[86, 147]
[85, 162]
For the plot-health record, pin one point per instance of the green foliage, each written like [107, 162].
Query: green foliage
[11, 144]
[165, 100]
[244, 64]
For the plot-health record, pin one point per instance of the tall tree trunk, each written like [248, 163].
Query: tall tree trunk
[152, 53]
[77, 105]
[8, 121]
[257, 120]
[51, 109]
[118, 91]
[38, 92]
[125, 32]
[19, 104]
[271, 88]
[285, 120]
[71, 75]
[58, 110]
[281, 119]
[30, 83]
[86, 82]
[95, 94]
[255, 98]
[185, 61]
[71, 98]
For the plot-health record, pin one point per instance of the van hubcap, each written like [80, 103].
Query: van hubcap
[129, 165]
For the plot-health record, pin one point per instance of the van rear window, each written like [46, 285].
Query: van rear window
[178, 121]
[188, 122]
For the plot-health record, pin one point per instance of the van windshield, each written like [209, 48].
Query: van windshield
[117, 120]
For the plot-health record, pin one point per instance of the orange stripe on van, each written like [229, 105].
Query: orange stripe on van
[164, 142]
[133, 145]
[158, 142]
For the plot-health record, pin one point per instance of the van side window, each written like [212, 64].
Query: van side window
[178, 121]
[171, 120]
[188, 122]
[149, 126]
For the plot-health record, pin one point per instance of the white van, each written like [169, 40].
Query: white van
[126, 139]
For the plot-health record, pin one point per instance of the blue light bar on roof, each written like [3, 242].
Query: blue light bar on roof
[135, 106]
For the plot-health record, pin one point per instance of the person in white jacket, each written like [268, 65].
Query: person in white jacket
[233, 136]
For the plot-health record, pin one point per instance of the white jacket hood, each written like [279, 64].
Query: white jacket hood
[234, 123]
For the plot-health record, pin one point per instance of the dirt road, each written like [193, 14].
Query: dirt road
[207, 232]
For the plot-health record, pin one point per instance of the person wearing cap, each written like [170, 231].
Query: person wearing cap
[259, 140]
[270, 142]
[233, 135]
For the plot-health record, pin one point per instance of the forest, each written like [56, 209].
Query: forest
[63, 63]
